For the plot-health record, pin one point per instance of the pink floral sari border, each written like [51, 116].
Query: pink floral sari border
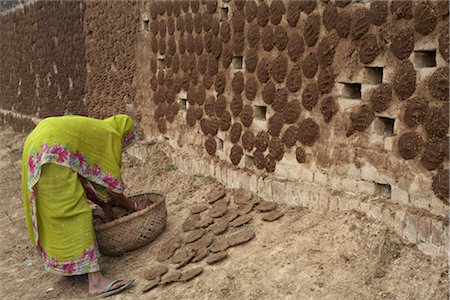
[64, 156]
[86, 263]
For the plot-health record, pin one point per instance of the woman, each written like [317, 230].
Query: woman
[67, 160]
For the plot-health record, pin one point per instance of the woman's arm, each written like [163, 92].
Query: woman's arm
[123, 202]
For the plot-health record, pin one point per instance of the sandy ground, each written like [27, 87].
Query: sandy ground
[304, 255]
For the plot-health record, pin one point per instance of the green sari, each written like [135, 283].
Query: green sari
[59, 155]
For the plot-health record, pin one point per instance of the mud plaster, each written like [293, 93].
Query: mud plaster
[235, 132]
[308, 132]
[237, 83]
[343, 23]
[293, 13]
[328, 108]
[262, 140]
[404, 79]
[259, 159]
[443, 43]
[250, 10]
[311, 30]
[276, 123]
[246, 116]
[329, 17]
[251, 60]
[310, 96]
[253, 35]
[276, 148]
[434, 153]
[294, 80]
[440, 185]
[248, 140]
[437, 121]
[409, 145]
[438, 84]
[238, 43]
[295, 47]
[402, 9]
[263, 14]
[236, 155]
[310, 65]
[360, 23]
[415, 111]
[381, 97]
[236, 105]
[326, 80]
[300, 155]
[220, 105]
[281, 99]
[291, 112]
[268, 92]
[368, 49]
[267, 38]
[251, 88]
[361, 118]
[279, 68]
[290, 136]
[403, 42]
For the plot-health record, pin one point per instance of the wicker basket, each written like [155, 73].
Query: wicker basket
[135, 230]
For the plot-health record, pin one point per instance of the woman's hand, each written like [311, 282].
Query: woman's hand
[140, 205]
[110, 215]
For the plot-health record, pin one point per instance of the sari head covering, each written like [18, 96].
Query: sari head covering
[90, 147]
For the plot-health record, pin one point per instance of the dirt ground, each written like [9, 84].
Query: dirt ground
[304, 255]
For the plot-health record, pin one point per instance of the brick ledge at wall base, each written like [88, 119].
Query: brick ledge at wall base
[415, 226]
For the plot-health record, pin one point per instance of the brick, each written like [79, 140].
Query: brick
[212, 170]
[370, 173]
[419, 200]
[399, 222]
[437, 232]
[290, 197]
[324, 200]
[253, 183]
[244, 180]
[410, 229]
[302, 195]
[388, 218]
[265, 188]
[364, 207]
[428, 249]
[424, 229]
[333, 204]
[321, 178]
[399, 196]
[217, 172]
[349, 185]
[437, 206]
[353, 171]
[375, 212]
[367, 188]
[306, 175]
[376, 140]
[389, 143]
[334, 181]
[223, 174]
[278, 191]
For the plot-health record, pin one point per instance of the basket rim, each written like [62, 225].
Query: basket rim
[134, 215]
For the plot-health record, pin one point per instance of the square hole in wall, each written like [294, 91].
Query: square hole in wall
[260, 112]
[383, 189]
[425, 59]
[161, 63]
[183, 104]
[237, 62]
[373, 75]
[223, 13]
[145, 25]
[219, 144]
[384, 126]
[351, 90]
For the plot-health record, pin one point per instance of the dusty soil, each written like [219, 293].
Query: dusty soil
[302, 255]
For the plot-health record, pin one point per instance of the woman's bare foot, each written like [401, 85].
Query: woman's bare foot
[98, 283]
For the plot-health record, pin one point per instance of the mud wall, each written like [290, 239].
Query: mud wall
[43, 59]
[66, 57]
[349, 95]
[110, 28]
